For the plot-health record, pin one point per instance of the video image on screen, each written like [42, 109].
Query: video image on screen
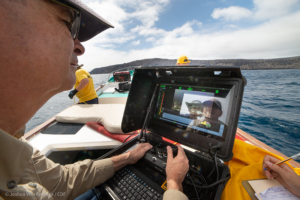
[195, 109]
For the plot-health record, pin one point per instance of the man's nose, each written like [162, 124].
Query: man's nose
[78, 47]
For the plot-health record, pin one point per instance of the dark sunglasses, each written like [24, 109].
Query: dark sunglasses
[74, 25]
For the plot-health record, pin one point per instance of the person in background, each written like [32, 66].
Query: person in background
[195, 109]
[41, 39]
[196, 113]
[183, 60]
[84, 87]
[282, 173]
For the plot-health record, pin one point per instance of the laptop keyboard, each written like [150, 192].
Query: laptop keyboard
[127, 185]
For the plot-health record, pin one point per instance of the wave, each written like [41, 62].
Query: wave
[293, 83]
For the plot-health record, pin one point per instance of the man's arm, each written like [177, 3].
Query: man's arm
[83, 83]
[77, 178]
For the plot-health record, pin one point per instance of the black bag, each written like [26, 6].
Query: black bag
[123, 87]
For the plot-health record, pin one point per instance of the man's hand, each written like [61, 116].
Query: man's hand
[72, 93]
[131, 157]
[282, 173]
[138, 152]
[176, 168]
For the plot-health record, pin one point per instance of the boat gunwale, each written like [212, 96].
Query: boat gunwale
[39, 128]
[258, 143]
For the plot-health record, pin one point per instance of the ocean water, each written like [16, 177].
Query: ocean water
[58, 103]
[270, 109]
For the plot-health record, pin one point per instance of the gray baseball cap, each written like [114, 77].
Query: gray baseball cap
[212, 102]
[91, 23]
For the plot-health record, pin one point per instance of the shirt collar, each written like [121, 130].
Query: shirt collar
[14, 156]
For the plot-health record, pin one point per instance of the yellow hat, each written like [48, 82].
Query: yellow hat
[183, 60]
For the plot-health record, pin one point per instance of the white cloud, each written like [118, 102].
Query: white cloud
[184, 30]
[276, 37]
[111, 12]
[232, 13]
[142, 30]
[138, 42]
[144, 13]
[263, 10]
[266, 9]
[151, 39]
[199, 24]
[160, 34]
[148, 16]
[230, 26]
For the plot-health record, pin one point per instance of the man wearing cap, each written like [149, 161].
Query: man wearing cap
[208, 116]
[212, 110]
[40, 42]
[84, 87]
[183, 60]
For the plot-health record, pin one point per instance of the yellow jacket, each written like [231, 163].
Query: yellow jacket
[87, 93]
[246, 164]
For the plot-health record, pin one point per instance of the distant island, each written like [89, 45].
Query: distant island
[244, 64]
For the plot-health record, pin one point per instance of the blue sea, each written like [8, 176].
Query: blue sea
[270, 109]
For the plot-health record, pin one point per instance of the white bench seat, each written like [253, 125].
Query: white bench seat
[109, 115]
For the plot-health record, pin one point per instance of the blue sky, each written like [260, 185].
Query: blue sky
[200, 29]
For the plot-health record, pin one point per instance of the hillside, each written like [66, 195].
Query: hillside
[255, 64]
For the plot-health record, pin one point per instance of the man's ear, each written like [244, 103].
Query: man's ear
[221, 113]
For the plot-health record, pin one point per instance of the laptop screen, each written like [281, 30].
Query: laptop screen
[198, 110]
[196, 106]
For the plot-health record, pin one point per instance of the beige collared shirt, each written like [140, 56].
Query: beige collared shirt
[25, 173]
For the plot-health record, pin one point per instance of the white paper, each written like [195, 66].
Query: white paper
[276, 193]
[262, 185]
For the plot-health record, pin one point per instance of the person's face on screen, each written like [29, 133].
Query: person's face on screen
[195, 110]
[212, 113]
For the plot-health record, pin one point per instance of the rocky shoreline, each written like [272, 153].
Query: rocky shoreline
[244, 64]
